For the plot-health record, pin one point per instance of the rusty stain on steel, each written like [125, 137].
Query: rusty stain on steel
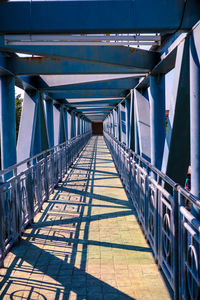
[132, 50]
[40, 59]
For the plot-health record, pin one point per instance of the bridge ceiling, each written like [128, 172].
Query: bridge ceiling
[79, 49]
[97, 16]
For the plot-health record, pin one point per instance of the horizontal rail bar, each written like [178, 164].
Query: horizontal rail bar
[31, 183]
[168, 221]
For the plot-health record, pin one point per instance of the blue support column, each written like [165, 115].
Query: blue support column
[137, 145]
[72, 124]
[122, 123]
[114, 112]
[113, 123]
[69, 124]
[49, 118]
[56, 119]
[78, 126]
[75, 124]
[62, 136]
[108, 123]
[157, 118]
[7, 121]
[195, 120]
[36, 146]
[127, 117]
[81, 125]
[118, 122]
[132, 123]
[65, 113]
[43, 124]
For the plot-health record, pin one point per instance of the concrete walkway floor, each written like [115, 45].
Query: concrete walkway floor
[85, 243]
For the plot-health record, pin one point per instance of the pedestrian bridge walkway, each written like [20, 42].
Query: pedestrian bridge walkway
[86, 242]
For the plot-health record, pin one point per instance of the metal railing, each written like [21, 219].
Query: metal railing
[30, 183]
[169, 225]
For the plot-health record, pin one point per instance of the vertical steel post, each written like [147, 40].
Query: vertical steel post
[118, 122]
[81, 125]
[7, 121]
[195, 121]
[137, 147]
[69, 124]
[127, 112]
[66, 122]
[157, 118]
[78, 126]
[109, 123]
[132, 124]
[49, 118]
[72, 124]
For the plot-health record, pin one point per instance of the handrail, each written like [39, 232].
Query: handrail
[164, 212]
[23, 193]
[11, 168]
[147, 163]
[166, 178]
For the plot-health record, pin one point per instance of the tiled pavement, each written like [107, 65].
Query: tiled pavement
[85, 243]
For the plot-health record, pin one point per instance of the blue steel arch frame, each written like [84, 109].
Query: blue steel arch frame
[127, 93]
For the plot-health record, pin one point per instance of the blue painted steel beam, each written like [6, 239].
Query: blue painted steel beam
[89, 94]
[125, 83]
[7, 121]
[118, 55]
[49, 66]
[23, 82]
[103, 109]
[166, 64]
[111, 102]
[97, 16]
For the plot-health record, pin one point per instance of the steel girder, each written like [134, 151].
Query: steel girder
[97, 16]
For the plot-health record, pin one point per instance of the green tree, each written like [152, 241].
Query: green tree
[18, 111]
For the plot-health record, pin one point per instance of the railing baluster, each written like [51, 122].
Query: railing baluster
[22, 195]
[169, 225]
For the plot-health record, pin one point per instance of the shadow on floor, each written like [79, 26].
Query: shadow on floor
[43, 264]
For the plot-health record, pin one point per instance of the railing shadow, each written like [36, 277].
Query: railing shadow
[50, 262]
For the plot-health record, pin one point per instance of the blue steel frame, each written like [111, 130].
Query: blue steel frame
[150, 159]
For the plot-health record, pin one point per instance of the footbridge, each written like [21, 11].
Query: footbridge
[100, 155]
